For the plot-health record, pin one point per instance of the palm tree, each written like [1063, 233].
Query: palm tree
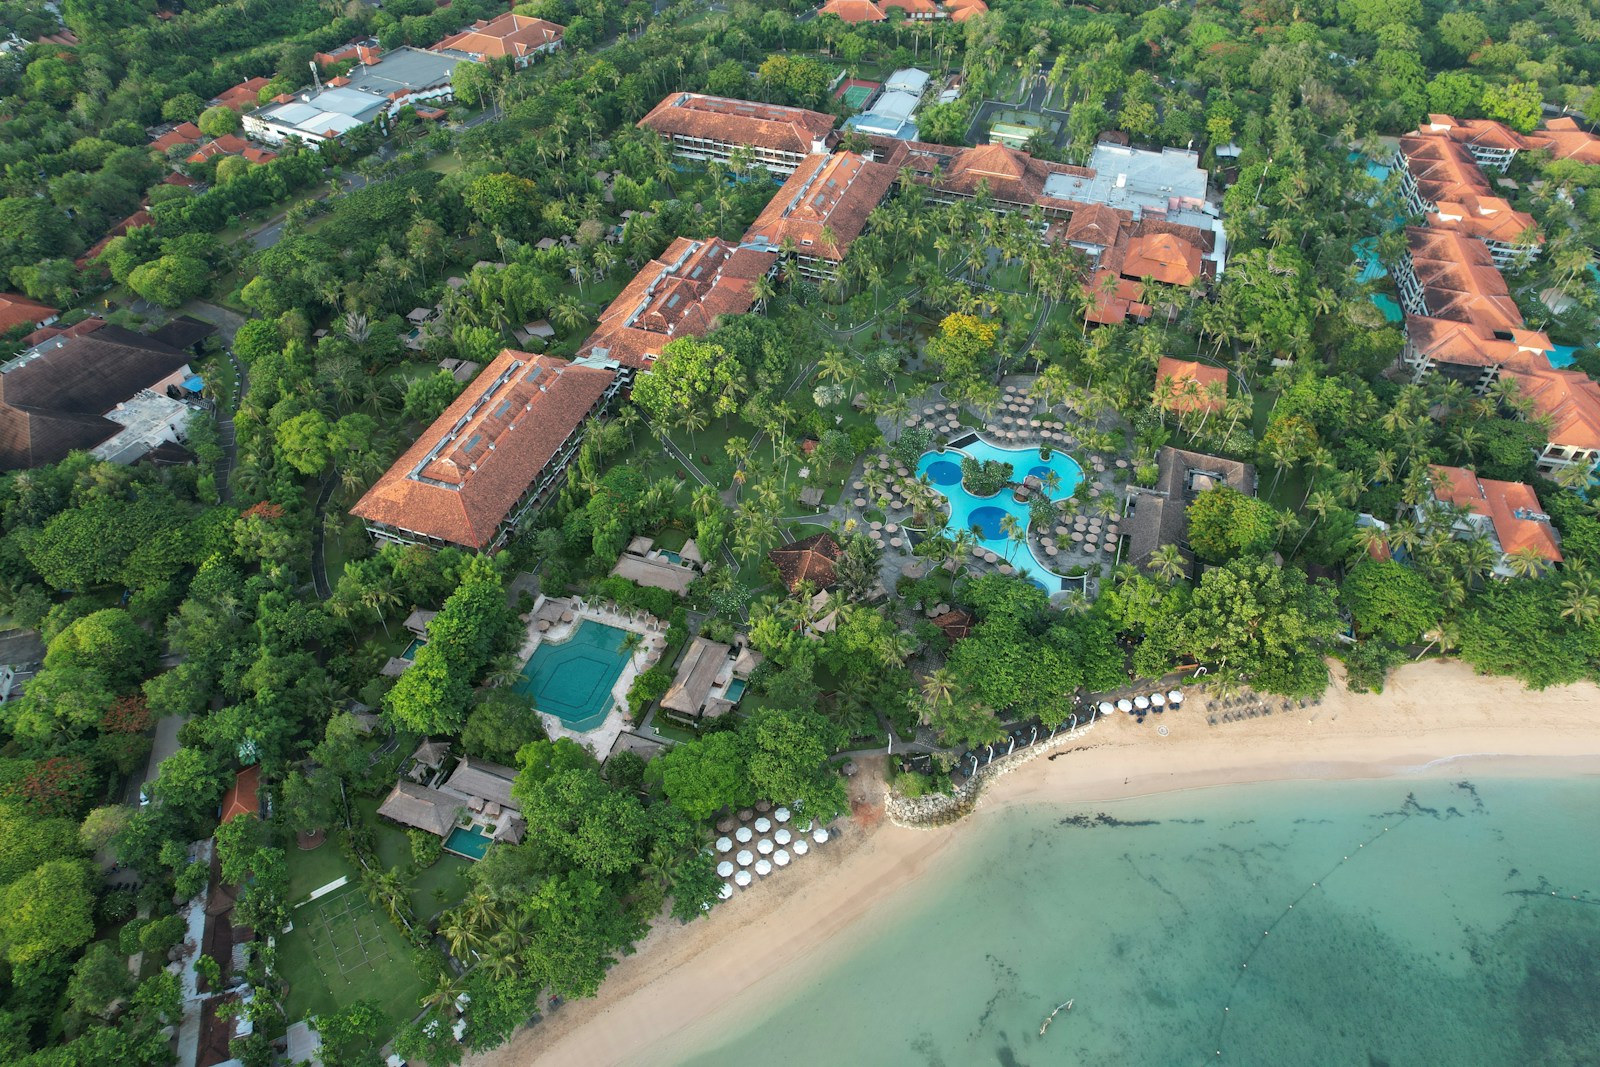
[1580, 600]
[1014, 531]
[1525, 562]
[1168, 563]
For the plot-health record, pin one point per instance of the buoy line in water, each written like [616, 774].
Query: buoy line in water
[1244, 967]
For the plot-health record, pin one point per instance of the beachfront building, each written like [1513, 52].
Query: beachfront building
[1160, 516]
[711, 678]
[518, 38]
[1460, 318]
[644, 564]
[497, 453]
[371, 92]
[1568, 403]
[715, 127]
[820, 211]
[1440, 177]
[474, 799]
[683, 293]
[1506, 514]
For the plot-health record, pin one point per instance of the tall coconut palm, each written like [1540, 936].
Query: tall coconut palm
[1168, 563]
[1580, 599]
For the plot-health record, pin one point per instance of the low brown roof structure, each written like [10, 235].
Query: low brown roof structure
[956, 624]
[491, 450]
[1160, 516]
[432, 753]
[740, 122]
[835, 193]
[657, 572]
[410, 804]
[807, 560]
[646, 748]
[244, 795]
[484, 780]
[683, 293]
[690, 693]
[20, 311]
[1172, 385]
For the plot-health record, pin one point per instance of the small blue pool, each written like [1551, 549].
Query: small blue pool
[735, 690]
[1563, 355]
[411, 649]
[1390, 309]
[673, 556]
[468, 841]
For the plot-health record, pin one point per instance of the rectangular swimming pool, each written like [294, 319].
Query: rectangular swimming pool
[468, 841]
[572, 680]
[411, 649]
[735, 690]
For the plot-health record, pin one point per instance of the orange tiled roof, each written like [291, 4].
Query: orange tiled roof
[1463, 343]
[854, 11]
[962, 10]
[720, 118]
[807, 560]
[1096, 224]
[463, 476]
[956, 624]
[1460, 281]
[78, 329]
[183, 133]
[1166, 257]
[137, 219]
[1172, 376]
[1567, 140]
[20, 311]
[1488, 218]
[1486, 132]
[242, 97]
[1569, 399]
[1512, 508]
[1443, 168]
[681, 294]
[912, 8]
[244, 795]
[508, 35]
[1109, 308]
[835, 193]
[227, 145]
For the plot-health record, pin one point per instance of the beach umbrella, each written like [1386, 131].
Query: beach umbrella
[781, 857]
[724, 869]
[1175, 697]
[744, 835]
[764, 846]
[782, 837]
[763, 867]
[1106, 708]
[1141, 702]
[726, 824]
[745, 815]
[1157, 700]
[726, 891]
[763, 824]
[742, 878]
[1124, 704]
[800, 848]
[745, 857]
[820, 835]
[724, 844]
[782, 815]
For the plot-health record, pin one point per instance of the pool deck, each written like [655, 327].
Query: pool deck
[602, 737]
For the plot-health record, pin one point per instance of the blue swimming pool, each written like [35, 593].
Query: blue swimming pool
[1563, 355]
[411, 649]
[1390, 309]
[468, 841]
[735, 690]
[986, 515]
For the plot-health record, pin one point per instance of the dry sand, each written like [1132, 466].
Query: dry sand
[688, 982]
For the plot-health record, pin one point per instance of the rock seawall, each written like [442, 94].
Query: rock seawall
[938, 809]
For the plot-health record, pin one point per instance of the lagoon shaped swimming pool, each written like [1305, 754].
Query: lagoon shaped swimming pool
[984, 514]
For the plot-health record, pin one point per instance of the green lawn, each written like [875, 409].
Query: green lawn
[342, 950]
[309, 870]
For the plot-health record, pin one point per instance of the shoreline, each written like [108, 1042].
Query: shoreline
[687, 984]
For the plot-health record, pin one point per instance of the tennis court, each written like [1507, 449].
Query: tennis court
[855, 93]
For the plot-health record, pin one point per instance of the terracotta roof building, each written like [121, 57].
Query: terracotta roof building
[1507, 513]
[517, 37]
[66, 394]
[1491, 143]
[1163, 257]
[244, 795]
[956, 624]
[1569, 402]
[242, 97]
[139, 218]
[1567, 140]
[1115, 300]
[821, 210]
[1173, 385]
[854, 12]
[681, 294]
[184, 133]
[1513, 236]
[495, 454]
[1160, 516]
[1434, 168]
[1440, 177]
[712, 127]
[18, 311]
[810, 560]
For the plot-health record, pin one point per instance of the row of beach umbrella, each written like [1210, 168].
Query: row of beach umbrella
[1142, 703]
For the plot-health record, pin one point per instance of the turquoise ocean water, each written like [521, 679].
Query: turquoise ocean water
[1416, 922]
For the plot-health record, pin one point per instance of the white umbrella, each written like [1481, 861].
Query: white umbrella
[800, 847]
[726, 891]
[782, 837]
[782, 815]
[763, 867]
[724, 844]
[742, 878]
[1124, 704]
[1106, 708]
[763, 824]
[743, 834]
[1158, 700]
[1141, 702]
[820, 836]
[1175, 697]
[764, 846]
[724, 869]
[781, 857]
[745, 858]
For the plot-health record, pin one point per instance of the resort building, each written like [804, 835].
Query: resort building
[1569, 403]
[113, 392]
[186, 134]
[682, 294]
[1115, 300]
[1434, 168]
[1160, 516]
[1491, 143]
[821, 210]
[1507, 514]
[714, 127]
[890, 113]
[644, 564]
[469, 808]
[244, 795]
[19, 312]
[510, 36]
[370, 92]
[1512, 236]
[496, 453]
[1460, 318]
[1441, 178]
[1565, 139]
[1187, 385]
[808, 561]
[711, 678]
[242, 97]
[856, 12]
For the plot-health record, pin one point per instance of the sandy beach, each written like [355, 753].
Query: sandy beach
[686, 982]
